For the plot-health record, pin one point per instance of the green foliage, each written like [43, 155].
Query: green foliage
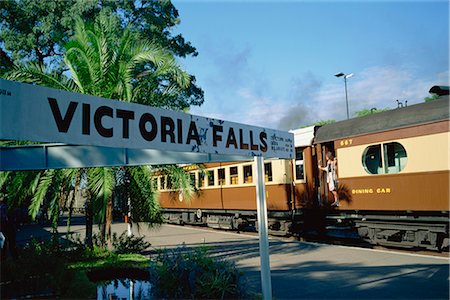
[110, 260]
[58, 268]
[41, 191]
[49, 23]
[101, 183]
[79, 286]
[127, 53]
[324, 122]
[431, 98]
[180, 181]
[36, 32]
[40, 267]
[145, 205]
[365, 112]
[105, 62]
[128, 244]
[184, 274]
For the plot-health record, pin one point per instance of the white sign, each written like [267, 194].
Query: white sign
[35, 113]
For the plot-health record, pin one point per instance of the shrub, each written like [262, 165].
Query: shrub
[185, 274]
[56, 267]
[128, 244]
[38, 269]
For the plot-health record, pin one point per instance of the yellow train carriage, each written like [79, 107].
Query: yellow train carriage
[393, 170]
[226, 194]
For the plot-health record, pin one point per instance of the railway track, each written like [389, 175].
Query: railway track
[349, 242]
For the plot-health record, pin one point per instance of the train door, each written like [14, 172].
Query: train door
[322, 190]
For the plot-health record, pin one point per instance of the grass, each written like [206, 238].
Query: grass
[74, 271]
[60, 270]
[112, 260]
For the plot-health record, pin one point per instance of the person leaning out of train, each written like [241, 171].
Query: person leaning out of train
[332, 181]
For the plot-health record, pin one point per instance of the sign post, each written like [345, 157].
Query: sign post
[266, 283]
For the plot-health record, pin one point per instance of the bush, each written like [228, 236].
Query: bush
[185, 274]
[56, 267]
[128, 244]
[39, 269]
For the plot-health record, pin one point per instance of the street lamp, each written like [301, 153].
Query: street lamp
[340, 74]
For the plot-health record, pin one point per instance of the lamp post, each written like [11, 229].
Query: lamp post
[340, 74]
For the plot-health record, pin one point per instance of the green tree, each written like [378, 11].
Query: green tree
[104, 62]
[365, 112]
[431, 98]
[35, 31]
[324, 122]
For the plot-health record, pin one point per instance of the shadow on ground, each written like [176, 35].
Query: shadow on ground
[327, 280]
[330, 280]
[313, 278]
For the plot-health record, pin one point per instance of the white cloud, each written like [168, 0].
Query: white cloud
[237, 92]
[377, 87]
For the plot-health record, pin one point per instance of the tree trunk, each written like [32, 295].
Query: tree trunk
[108, 223]
[76, 190]
[89, 220]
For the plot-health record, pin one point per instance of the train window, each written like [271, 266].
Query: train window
[163, 182]
[248, 178]
[372, 160]
[221, 176]
[234, 178]
[192, 178]
[394, 157]
[201, 179]
[299, 164]
[169, 183]
[268, 171]
[211, 178]
[391, 158]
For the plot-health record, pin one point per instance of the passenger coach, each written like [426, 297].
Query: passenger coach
[393, 170]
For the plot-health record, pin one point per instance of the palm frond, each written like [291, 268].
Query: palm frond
[180, 181]
[145, 204]
[4, 179]
[101, 183]
[43, 187]
[36, 74]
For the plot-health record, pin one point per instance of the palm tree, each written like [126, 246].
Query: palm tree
[106, 62]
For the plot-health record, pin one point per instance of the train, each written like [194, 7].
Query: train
[393, 182]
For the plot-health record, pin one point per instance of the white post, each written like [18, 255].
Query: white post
[266, 282]
[129, 215]
[131, 289]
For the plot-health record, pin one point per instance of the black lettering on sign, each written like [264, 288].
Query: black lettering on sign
[180, 131]
[86, 119]
[231, 140]
[252, 146]
[193, 134]
[103, 111]
[167, 128]
[126, 116]
[63, 123]
[243, 145]
[263, 141]
[216, 137]
[148, 135]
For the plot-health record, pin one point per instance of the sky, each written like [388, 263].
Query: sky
[272, 63]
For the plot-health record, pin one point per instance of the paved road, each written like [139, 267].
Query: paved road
[303, 270]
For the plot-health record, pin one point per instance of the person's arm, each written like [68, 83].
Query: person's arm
[320, 167]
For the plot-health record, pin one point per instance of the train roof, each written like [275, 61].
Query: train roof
[303, 137]
[427, 112]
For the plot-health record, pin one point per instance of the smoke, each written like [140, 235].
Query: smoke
[302, 110]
